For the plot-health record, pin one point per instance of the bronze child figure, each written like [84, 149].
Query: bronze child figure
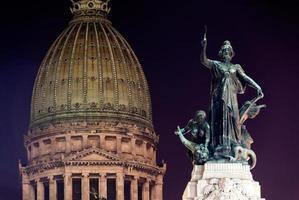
[200, 137]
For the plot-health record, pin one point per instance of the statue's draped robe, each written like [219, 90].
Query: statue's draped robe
[224, 111]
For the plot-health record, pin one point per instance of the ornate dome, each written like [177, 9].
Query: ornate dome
[90, 73]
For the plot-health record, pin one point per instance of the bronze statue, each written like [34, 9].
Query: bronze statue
[227, 137]
[200, 153]
[199, 128]
[200, 137]
[228, 80]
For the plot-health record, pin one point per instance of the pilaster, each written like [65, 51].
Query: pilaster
[144, 150]
[118, 144]
[133, 144]
[85, 141]
[102, 141]
[67, 144]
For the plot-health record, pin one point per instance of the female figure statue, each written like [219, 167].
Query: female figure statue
[228, 80]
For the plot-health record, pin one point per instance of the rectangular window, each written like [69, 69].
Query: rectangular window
[60, 189]
[140, 188]
[76, 188]
[35, 191]
[94, 189]
[127, 190]
[46, 191]
[111, 189]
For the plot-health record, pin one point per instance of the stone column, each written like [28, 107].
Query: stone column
[99, 185]
[120, 186]
[152, 192]
[134, 188]
[68, 186]
[85, 186]
[159, 188]
[52, 188]
[32, 191]
[25, 187]
[40, 190]
[103, 186]
[145, 190]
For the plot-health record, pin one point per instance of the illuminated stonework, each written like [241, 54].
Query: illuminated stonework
[91, 123]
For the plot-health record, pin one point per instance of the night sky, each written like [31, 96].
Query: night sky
[166, 37]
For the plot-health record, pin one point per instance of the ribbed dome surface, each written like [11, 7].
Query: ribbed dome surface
[90, 73]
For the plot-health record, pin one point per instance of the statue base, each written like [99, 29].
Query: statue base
[222, 181]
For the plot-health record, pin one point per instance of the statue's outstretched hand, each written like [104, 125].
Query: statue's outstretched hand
[260, 93]
[178, 131]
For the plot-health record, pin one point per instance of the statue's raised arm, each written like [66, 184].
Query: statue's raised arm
[203, 55]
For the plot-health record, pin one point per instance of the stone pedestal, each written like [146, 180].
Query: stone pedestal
[222, 181]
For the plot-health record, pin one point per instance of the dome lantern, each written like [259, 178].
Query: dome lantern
[90, 7]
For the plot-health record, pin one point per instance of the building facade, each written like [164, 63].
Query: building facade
[91, 134]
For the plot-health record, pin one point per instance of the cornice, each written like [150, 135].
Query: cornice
[112, 160]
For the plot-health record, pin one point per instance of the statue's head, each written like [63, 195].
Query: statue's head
[200, 116]
[226, 51]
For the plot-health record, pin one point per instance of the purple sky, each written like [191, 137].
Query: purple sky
[166, 37]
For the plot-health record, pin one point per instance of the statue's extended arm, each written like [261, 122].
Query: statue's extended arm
[187, 128]
[251, 82]
[190, 145]
[203, 55]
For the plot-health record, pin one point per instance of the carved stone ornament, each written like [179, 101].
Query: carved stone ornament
[222, 181]
[225, 188]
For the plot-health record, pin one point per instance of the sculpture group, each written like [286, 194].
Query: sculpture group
[221, 135]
